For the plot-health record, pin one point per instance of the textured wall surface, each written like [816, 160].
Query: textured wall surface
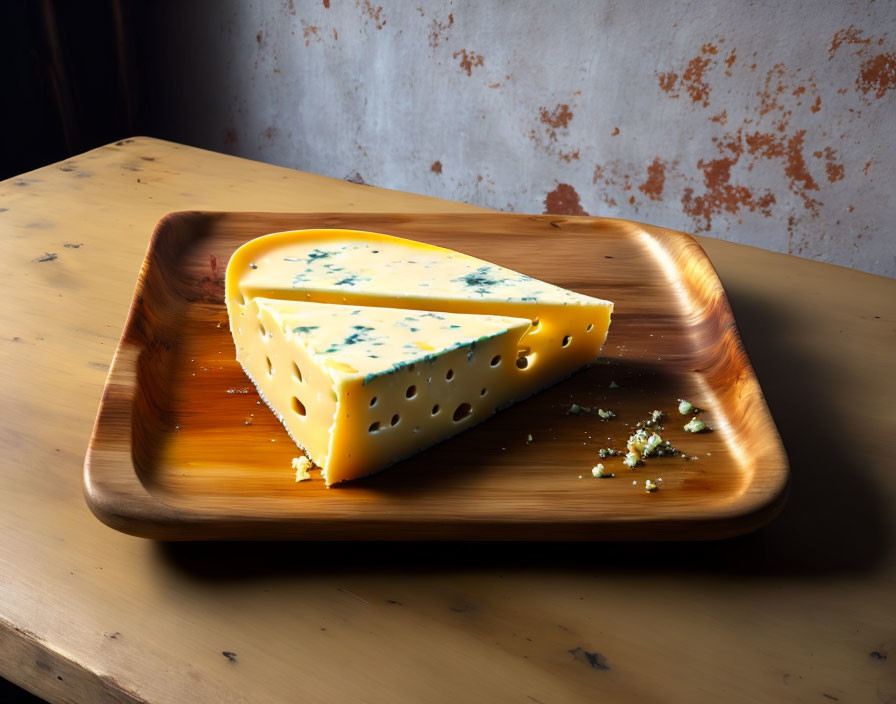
[767, 123]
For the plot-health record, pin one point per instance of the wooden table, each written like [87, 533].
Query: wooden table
[803, 610]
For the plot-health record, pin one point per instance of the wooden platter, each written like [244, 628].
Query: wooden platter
[183, 449]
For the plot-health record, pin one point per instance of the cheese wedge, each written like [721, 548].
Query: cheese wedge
[543, 333]
[360, 388]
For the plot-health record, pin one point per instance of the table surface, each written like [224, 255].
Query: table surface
[802, 610]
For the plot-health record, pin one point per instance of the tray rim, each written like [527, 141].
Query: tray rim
[128, 506]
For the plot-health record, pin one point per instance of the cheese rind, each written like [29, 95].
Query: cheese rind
[366, 315]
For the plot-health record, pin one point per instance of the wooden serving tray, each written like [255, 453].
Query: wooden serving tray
[184, 450]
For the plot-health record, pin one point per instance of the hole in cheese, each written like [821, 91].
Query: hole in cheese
[522, 357]
[395, 420]
[450, 375]
[496, 360]
[373, 402]
[590, 327]
[296, 372]
[462, 411]
[261, 330]
[411, 392]
[567, 340]
[297, 406]
[270, 366]
[374, 427]
[535, 323]
[483, 392]
[435, 409]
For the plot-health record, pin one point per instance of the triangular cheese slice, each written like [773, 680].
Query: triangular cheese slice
[360, 388]
[563, 330]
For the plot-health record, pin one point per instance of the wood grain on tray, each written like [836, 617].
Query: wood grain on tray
[184, 449]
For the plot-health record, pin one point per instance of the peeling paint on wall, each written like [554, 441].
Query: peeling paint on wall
[768, 124]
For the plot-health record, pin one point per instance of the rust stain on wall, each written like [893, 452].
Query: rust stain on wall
[656, 178]
[553, 123]
[788, 149]
[795, 169]
[615, 132]
[436, 28]
[468, 60]
[878, 74]
[373, 14]
[614, 179]
[327, 4]
[850, 35]
[773, 88]
[720, 185]
[436, 167]
[693, 79]
[556, 118]
[729, 62]
[310, 33]
[563, 200]
[835, 171]
[720, 195]
[667, 83]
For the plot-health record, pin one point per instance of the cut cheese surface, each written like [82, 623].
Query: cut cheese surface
[364, 317]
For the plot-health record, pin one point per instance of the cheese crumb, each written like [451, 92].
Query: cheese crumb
[685, 407]
[301, 465]
[695, 425]
[606, 415]
[637, 442]
[530, 438]
[653, 442]
[650, 486]
[632, 459]
[599, 473]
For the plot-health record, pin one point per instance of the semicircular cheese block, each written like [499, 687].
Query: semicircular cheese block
[370, 348]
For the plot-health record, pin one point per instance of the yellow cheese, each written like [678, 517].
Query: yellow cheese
[370, 348]
[359, 388]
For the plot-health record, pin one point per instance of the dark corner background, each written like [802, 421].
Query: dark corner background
[76, 76]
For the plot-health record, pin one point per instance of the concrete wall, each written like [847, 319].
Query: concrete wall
[768, 123]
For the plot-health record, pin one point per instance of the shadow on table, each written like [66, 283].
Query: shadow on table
[834, 521]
